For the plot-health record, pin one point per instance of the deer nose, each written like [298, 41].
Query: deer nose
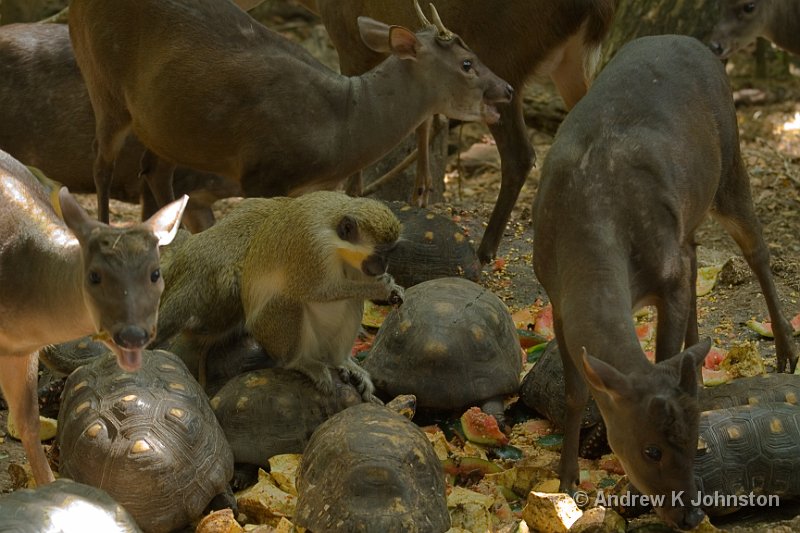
[131, 337]
[691, 518]
[716, 47]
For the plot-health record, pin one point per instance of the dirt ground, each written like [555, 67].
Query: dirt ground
[769, 116]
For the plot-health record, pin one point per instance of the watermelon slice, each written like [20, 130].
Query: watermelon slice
[765, 328]
[481, 428]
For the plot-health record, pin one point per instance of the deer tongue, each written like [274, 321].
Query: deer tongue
[489, 113]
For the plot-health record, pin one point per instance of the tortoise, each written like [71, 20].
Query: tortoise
[370, 469]
[431, 246]
[65, 506]
[748, 450]
[219, 361]
[149, 438]
[273, 411]
[452, 344]
[542, 390]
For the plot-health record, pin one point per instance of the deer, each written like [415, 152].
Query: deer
[517, 40]
[633, 170]
[230, 96]
[48, 123]
[64, 278]
[741, 21]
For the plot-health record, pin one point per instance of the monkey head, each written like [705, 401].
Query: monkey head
[367, 232]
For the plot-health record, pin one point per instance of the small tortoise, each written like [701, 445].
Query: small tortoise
[64, 506]
[431, 246]
[542, 390]
[149, 438]
[370, 469]
[273, 411]
[452, 344]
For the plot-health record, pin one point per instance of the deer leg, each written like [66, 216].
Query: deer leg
[692, 335]
[423, 181]
[158, 174]
[354, 185]
[110, 137]
[18, 382]
[674, 305]
[516, 157]
[733, 208]
[576, 396]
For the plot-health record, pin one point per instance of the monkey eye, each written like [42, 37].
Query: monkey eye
[94, 277]
[466, 65]
[155, 275]
[749, 7]
[653, 453]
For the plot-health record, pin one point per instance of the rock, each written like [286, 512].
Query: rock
[599, 520]
[550, 512]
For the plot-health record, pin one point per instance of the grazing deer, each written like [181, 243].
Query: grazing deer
[634, 169]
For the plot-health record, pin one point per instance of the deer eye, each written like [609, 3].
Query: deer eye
[749, 7]
[94, 277]
[653, 453]
[155, 275]
[466, 65]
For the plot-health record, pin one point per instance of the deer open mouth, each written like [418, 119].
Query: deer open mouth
[489, 113]
[128, 359]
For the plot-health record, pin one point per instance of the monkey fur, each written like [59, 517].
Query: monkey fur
[292, 272]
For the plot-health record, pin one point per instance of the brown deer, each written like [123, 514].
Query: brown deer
[203, 84]
[47, 122]
[63, 279]
[741, 21]
[634, 169]
[517, 40]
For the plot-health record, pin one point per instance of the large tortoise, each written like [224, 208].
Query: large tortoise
[64, 506]
[149, 438]
[452, 344]
[370, 469]
[431, 246]
[273, 411]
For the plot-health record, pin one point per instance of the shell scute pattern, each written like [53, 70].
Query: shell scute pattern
[149, 438]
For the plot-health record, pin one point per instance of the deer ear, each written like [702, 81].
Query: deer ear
[690, 359]
[605, 378]
[80, 223]
[165, 222]
[385, 39]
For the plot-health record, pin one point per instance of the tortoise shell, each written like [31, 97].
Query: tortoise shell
[370, 469]
[430, 246]
[452, 344]
[749, 449]
[149, 438]
[273, 411]
[542, 390]
[63, 505]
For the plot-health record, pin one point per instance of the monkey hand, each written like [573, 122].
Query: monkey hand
[396, 294]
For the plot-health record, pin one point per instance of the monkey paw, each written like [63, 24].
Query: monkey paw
[395, 291]
[352, 373]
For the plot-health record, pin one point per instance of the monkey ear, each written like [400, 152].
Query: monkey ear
[347, 229]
